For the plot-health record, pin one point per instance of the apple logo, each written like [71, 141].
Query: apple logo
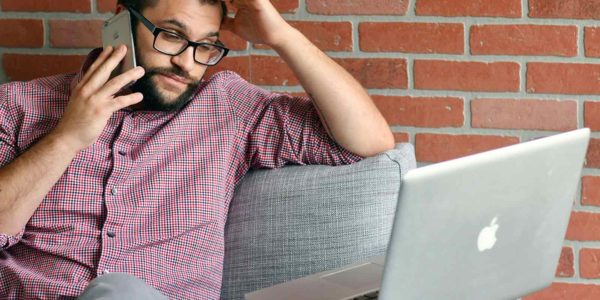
[487, 236]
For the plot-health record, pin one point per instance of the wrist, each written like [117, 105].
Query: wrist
[65, 142]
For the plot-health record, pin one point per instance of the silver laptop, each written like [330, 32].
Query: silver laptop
[485, 226]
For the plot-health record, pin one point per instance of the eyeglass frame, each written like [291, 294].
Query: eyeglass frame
[155, 30]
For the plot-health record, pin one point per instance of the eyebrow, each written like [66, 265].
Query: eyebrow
[184, 28]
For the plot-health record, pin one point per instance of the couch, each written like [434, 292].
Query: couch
[299, 220]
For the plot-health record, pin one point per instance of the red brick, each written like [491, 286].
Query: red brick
[371, 73]
[563, 78]
[293, 94]
[25, 66]
[422, 111]
[565, 264]
[232, 41]
[592, 41]
[480, 8]
[568, 9]
[524, 114]
[75, 33]
[105, 6]
[327, 36]
[286, 6]
[589, 263]
[466, 76]
[377, 73]
[83, 6]
[583, 226]
[590, 190]
[401, 137]
[271, 70]
[21, 33]
[238, 64]
[524, 40]
[357, 7]
[412, 37]
[440, 147]
[566, 291]
[593, 154]
[592, 115]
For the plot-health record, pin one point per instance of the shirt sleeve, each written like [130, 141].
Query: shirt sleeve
[6, 241]
[8, 150]
[281, 129]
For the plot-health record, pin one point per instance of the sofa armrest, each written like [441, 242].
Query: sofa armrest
[291, 222]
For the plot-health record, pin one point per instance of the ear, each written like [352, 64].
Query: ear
[120, 7]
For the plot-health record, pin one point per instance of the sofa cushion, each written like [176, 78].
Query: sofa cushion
[291, 222]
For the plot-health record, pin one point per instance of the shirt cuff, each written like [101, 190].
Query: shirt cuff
[7, 241]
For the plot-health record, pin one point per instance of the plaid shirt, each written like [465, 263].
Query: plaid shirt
[150, 197]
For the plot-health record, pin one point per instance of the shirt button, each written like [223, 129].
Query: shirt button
[122, 153]
[113, 191]
[111, 234]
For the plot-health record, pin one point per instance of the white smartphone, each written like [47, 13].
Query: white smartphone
[117, 31]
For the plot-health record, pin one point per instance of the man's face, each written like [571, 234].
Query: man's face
[170, 81]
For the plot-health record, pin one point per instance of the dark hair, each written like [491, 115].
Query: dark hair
[140, 5]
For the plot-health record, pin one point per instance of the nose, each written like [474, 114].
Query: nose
[185, 59]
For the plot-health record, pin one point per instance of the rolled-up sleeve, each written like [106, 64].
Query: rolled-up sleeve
[6, 241]
[281, 129]
[8, 150]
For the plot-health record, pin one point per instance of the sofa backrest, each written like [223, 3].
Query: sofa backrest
[299, 220]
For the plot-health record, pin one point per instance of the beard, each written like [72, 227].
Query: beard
[154, 99]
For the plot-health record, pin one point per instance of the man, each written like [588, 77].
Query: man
[95, 181]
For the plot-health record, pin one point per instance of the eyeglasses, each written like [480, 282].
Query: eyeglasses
[171, 43]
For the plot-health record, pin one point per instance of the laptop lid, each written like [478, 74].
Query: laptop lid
[486, 226]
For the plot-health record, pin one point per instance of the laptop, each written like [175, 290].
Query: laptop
[485, 226]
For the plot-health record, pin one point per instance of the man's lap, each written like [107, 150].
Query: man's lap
[120, 286]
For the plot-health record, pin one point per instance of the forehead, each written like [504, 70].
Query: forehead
[190, 16]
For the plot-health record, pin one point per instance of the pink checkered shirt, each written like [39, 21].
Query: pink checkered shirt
[150, 197]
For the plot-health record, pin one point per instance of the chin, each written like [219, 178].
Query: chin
[163, 98]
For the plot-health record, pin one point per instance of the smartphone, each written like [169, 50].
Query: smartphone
[117, 31]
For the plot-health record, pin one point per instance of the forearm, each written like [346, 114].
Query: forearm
[347, 111]
[27, 180]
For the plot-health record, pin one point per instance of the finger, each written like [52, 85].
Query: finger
[116, 84]
[99, 60]
[126, 100]
[102, 73]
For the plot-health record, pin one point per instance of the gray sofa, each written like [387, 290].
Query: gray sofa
[298, 220]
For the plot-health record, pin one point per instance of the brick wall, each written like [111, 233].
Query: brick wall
[454, 77]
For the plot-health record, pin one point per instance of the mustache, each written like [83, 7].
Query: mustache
[169, 71]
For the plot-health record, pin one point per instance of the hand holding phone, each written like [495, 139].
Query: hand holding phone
[95, 98]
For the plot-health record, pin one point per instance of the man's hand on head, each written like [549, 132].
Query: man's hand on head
[258, 22]
[95, 98]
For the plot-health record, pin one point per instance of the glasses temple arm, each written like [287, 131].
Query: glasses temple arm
[142, 19]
